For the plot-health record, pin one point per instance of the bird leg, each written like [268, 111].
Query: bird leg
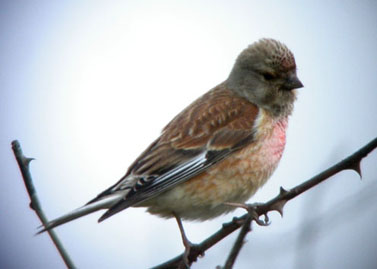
[252, 210]
[189, 247]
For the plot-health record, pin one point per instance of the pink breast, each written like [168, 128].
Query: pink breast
[278, 138]
[273, 145]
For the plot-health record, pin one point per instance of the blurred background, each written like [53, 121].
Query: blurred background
[85, 86]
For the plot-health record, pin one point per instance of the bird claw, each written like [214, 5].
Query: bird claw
[252, 210]
[188, 248]
[191, 250]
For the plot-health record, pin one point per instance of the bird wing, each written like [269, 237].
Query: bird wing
[214, 126]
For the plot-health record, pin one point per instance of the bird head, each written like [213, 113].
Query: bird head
[265, 74]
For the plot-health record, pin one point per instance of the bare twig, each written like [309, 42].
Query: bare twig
[23, 163]
[276, 204]
[246, 228]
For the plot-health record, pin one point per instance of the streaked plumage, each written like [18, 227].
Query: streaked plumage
[221, 148]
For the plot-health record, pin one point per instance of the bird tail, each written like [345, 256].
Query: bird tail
[104, 203]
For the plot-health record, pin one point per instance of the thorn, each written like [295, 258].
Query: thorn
[356, 167]
[279, 206]
[227, 224]
[235, 220]
[252, 210]
[31, 205]
[282, 191]
[27, 160]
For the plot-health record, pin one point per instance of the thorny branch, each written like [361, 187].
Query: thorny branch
[23, 163]
[276, 204]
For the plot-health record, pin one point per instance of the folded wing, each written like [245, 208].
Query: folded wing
[216, 125]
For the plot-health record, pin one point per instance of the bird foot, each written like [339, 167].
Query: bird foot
[191, 250]
[252, 210]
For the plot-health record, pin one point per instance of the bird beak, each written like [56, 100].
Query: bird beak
[293, 82]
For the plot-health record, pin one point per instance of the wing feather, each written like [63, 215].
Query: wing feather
[214, 126]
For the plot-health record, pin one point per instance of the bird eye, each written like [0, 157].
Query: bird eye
[268, 76]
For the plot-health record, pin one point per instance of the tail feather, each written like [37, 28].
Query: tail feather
[103, 203]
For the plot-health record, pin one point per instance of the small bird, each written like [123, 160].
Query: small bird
[218, 151]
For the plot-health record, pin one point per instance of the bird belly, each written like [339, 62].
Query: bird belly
[234, 179]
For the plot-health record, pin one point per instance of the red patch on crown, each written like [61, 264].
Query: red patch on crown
[288, 62]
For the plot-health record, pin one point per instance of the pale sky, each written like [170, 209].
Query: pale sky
[86, 86]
